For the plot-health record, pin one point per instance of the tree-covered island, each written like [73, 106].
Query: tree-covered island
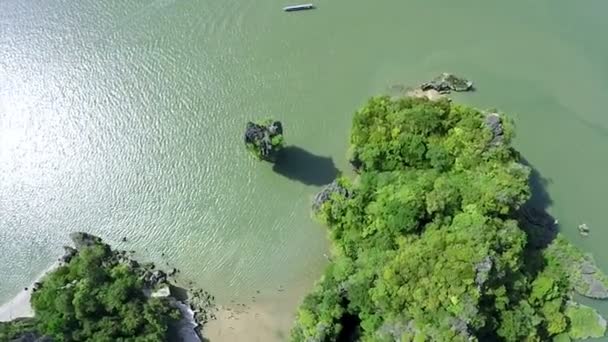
[429, 243]
[264, 139]
[100, 294]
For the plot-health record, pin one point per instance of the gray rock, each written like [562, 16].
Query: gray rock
[447, 82]
[158, 277]
[588, 268]
[494, 124]
[69, 254]
[596, 289]
[325, 194]
[163, 291]
[82, 240]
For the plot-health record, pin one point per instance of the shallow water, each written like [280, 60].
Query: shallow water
[126, 119]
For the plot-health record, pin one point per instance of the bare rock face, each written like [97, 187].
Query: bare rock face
[494, 124]
[430, 94]
[325, 194]
[68, 255]
[446, 82]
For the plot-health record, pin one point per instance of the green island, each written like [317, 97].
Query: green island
[264, 139]
[101, 294]
[428, 240]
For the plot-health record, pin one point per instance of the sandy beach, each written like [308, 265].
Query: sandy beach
[20, 306]
[255, 323]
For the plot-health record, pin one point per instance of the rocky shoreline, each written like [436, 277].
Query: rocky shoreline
[196, 306]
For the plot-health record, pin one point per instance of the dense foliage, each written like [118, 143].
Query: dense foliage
[17, 328]
[95, 297]
[425, 244]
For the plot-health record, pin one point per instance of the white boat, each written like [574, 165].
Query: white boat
[298, 7]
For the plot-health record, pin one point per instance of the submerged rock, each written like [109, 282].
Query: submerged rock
[447, 82]
[583, 229]
[264, 139]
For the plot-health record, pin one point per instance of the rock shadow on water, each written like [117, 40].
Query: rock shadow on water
[298, 164]
[539, 225]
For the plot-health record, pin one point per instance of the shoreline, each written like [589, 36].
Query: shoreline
[19, 306]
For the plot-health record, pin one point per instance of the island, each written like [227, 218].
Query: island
[101, 294]
[264, 139]
[428, 242]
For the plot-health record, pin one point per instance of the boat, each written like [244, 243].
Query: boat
[298, 7]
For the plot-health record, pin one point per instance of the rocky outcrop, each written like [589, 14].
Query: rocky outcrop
[163, 291]
[68, 255]
[586, 277]
[325, 194]
[264, 139]
[430, 94]
[82, 240]
[202, 304]
[494, 124]
[446, 82]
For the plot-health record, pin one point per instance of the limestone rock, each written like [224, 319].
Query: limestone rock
[68, 255]
[447, 82]
[264, 139]
[325, 194]
[163, 291]
[430, 94]
[82, 239]
[494, 124]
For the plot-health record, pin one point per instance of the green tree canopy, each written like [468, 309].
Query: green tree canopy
[97, 298]
[426, 245]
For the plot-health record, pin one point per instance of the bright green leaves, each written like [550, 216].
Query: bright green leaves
[427, 247]
[92, 299]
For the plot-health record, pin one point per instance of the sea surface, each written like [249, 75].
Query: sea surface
[126, 119]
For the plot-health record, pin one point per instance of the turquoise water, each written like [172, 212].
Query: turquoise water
[126, 119]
